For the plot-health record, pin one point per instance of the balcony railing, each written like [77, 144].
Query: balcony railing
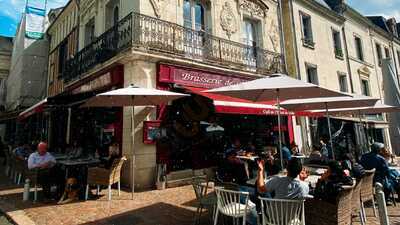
[150, 34]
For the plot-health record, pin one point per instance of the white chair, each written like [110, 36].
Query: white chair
[233, 204]
[282, 212]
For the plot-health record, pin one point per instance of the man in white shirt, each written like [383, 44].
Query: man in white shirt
[44, 162]
[41, 159]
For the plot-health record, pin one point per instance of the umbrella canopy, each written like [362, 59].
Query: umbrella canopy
[275, 86]
[330, 103]
[379, 107]
[132, 96]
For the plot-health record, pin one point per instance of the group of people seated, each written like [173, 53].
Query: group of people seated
[341, 172]
[49, 173]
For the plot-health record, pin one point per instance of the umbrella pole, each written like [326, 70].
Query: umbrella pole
[133, 146]
[329, 130]
[361, 125]
[279, 127]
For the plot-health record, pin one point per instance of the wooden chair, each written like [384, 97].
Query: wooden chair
[101, 176]
[319, 212]
[356, 202]
[282, 211]
[367, 191]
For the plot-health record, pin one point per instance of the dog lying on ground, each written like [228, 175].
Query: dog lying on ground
[71, 192]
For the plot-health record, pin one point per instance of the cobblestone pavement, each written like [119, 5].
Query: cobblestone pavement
[175, 206]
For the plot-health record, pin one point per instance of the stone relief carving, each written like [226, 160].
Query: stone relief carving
[274, 36]
[365, 71]
[253, 8]
[157, 5]
[228, 20]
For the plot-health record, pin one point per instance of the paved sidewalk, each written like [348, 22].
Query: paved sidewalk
[175, 206]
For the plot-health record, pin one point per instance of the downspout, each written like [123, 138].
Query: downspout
[348, 59]
[375, 63]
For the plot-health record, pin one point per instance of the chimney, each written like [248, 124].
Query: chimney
[391, 23]
[338, 6]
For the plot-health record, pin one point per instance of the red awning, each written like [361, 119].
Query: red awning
[36, 108]
[230, 105]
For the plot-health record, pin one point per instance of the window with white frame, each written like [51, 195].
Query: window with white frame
[307, 30]
[359, 48]
[365, 89]
[378, 53]
[193, 15]
[387, 53]
[337, 43]
[312, 73]
[343, 87]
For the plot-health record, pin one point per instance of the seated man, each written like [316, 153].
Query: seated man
[43, 161]
[374, 160]
[283, 187]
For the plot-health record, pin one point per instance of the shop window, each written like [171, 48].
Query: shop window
[307, 30]
[359, 48]
[343, 82]
[379, 53]
[365, 90]
[89, 31]
[337, 44]
[387, 53]
[312, 74]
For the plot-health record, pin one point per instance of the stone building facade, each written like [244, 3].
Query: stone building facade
[128, 42]
[329, 43]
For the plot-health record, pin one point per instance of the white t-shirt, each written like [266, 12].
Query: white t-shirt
[36, 160]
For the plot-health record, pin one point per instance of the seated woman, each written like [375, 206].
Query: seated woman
[330, 184]
[113, 153]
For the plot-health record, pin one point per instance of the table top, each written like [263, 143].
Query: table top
[77, 162]
[59, 156]
[299, 156]
[252, 158]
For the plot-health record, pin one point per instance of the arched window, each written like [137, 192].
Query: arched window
[193, 15]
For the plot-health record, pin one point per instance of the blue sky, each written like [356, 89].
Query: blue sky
[10, 11]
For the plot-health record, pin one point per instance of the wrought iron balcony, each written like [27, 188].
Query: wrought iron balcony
[144, 33]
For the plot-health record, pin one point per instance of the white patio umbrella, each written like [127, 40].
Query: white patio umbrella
[277, 87]
[329, 103]
[132, 96]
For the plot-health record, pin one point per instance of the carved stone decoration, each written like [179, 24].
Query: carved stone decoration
[228, 20]
[274, 36]
[253, 8]
[364, 71]
[157, 5]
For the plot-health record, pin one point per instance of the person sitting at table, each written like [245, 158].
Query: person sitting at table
[283, 187]
[374, 160]
[22, 152]
[271, 164]
[331, 182]
[113, 153]
[75, 150]
[355, 169]
[43, 161]
[294, 148]
[324, 148]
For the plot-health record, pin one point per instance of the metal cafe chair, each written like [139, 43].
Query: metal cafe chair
[205, 200]
[233, 204]
[282, 212]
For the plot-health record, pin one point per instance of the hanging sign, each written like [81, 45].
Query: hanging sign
[35, 19]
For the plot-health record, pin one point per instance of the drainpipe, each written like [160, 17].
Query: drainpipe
[375, 62]
[347, 59]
